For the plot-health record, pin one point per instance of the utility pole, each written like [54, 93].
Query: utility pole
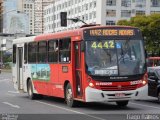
[42, 17]
[1, 42]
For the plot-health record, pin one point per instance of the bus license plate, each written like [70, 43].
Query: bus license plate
[119, 95]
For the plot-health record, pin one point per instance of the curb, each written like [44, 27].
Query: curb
[6, 70]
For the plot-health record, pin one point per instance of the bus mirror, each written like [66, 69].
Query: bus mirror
[82, 46]
[153, 77]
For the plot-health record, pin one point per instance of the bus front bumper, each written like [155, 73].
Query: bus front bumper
[95, 95]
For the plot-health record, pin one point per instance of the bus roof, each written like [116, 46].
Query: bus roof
[63, 34]
[23, 39]
[153, 58]
[57, 35]
[71, 33]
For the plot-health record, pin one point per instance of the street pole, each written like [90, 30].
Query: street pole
[1, 63]
[2, 57]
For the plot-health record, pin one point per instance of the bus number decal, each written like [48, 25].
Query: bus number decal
[100, 45]
[136, 82]
[106, 45]
[111, 44]
[94, 45]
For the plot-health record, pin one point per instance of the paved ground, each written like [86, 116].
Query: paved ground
[14, 104]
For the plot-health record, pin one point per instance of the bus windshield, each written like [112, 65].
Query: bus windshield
[114, 57]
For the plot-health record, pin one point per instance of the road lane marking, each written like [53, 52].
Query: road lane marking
[15, 92]
[146, 105]
[98, 118]
[7, 103]
[10, 94]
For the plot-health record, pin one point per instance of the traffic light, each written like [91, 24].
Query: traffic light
[63, 19]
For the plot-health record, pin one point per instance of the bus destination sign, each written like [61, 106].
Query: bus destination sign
[111, 32]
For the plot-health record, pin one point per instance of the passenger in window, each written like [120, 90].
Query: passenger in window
[62, 57]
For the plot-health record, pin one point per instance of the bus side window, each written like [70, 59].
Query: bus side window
[25, 53]
[53, 51]
[42, 51]
[32, 52]
[14, 54]
[65, 49]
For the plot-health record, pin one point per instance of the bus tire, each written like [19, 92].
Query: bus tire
[122, 103]
[31, 95]
[69, 96]
[159, 96]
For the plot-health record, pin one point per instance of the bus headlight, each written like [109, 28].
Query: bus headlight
[91, 84]
[144, 82]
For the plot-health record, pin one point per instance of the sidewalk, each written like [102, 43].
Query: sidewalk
[6, 70]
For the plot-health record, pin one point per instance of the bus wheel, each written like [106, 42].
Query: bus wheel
[69, 96]
[159, 96]
[30, 90]
[122, 103]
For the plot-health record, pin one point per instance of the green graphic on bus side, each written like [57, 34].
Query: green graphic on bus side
[40, 72]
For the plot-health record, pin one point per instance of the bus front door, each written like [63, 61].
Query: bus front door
[78, 70]
[20, 70]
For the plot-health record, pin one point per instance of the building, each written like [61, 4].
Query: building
[14, 21]
[27, 7]
[38, 20]
[49, 20]
[1, 16]
[104, 12]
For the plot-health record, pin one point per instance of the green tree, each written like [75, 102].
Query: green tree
[150, 27]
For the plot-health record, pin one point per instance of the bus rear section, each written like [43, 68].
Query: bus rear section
[115, 66]
[20, 69]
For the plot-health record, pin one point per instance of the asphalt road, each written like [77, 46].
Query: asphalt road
[17, 106]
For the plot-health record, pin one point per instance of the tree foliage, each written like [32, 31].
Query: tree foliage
[150, 27]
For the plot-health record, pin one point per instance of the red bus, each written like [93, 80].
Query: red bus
[153, 61]
[89, 64]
